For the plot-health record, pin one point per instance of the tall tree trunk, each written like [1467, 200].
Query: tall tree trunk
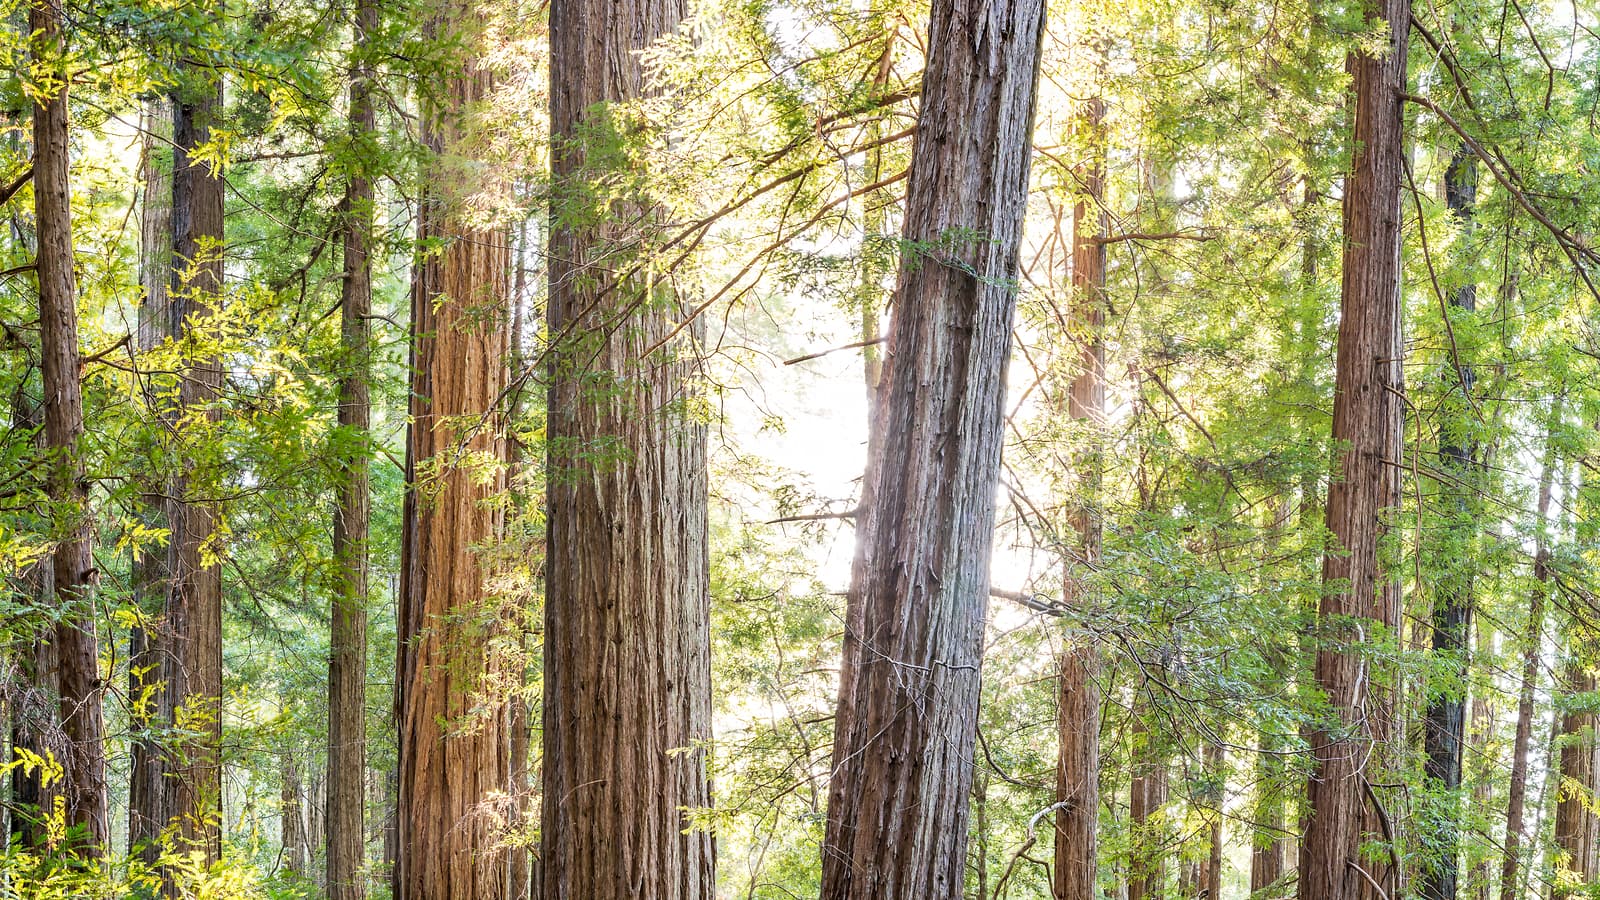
[1445, 723]
[147, 811]
[1533, 637]
[453, 757]
[191, 669]
[347, 657]
[627, 675]
[77, 676]
[908, 697]
[1367, 429]
[1078, 698]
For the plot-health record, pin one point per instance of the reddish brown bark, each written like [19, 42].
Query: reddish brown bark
[1078, 701]
[76, 675]
[906, 728]
[453, 748]
[1359, 606]
[347, 656]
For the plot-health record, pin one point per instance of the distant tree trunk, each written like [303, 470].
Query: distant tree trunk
[347, 656]
[1445, 723]
[453, 757]
[627, 671]
[1078, 699]
[75, 653]
[1575, 821]
[908, 698]
[191, 669]
[292, 816]
[1147, 871]
[1532, 637]
[1216, 762]
[147, 810]
[1367, 429]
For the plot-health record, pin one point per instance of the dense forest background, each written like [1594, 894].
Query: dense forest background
[592, 449]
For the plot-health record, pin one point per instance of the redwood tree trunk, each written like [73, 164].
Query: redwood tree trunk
[1516, 801]
[453, 757]
[1575, 822]
[627, 674]
[1078, 701]
[1367, 429]
[146, 788]
[908, 696]
[191, 669]
[347, 657]
[1147, 870]
[77, 675]
[1444, 730]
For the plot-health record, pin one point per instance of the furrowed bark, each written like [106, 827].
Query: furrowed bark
[1359, 606]
[347, 657]
[191, 661]
[76, 678]
[627, 670]
[453, 749]
[908, 696]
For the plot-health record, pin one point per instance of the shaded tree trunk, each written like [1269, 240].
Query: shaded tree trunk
[292, 816]
[1078, 698]
[1367, 428]
[1147, 871]
[1444, 728]
[1217, 795]
[908, 698]
[1575, 821]
[347, 656]
[76, 679]
[147, 811]
[452, 728]
[627, 673]
[1532, 636]
[191, 641]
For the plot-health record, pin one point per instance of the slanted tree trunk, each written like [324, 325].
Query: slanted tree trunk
[347, 657]
[908, 698]
[453, 756]
[1078, 698]
[191, 656]
[1367, 429]
[1444, 730]
[1516, 800]
[77, 675]
[147, 811]
[627, 675]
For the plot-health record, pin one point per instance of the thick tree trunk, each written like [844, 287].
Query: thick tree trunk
[1445, 723]
[1367, 428]
[908, 696]
[191, 657]
[453, 757]
[627, 674]
[347, 657]
[1078, 699]
[1533, 637]
[147, 811]
[77, 675]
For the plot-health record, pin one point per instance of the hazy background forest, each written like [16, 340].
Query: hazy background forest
[676, 449]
